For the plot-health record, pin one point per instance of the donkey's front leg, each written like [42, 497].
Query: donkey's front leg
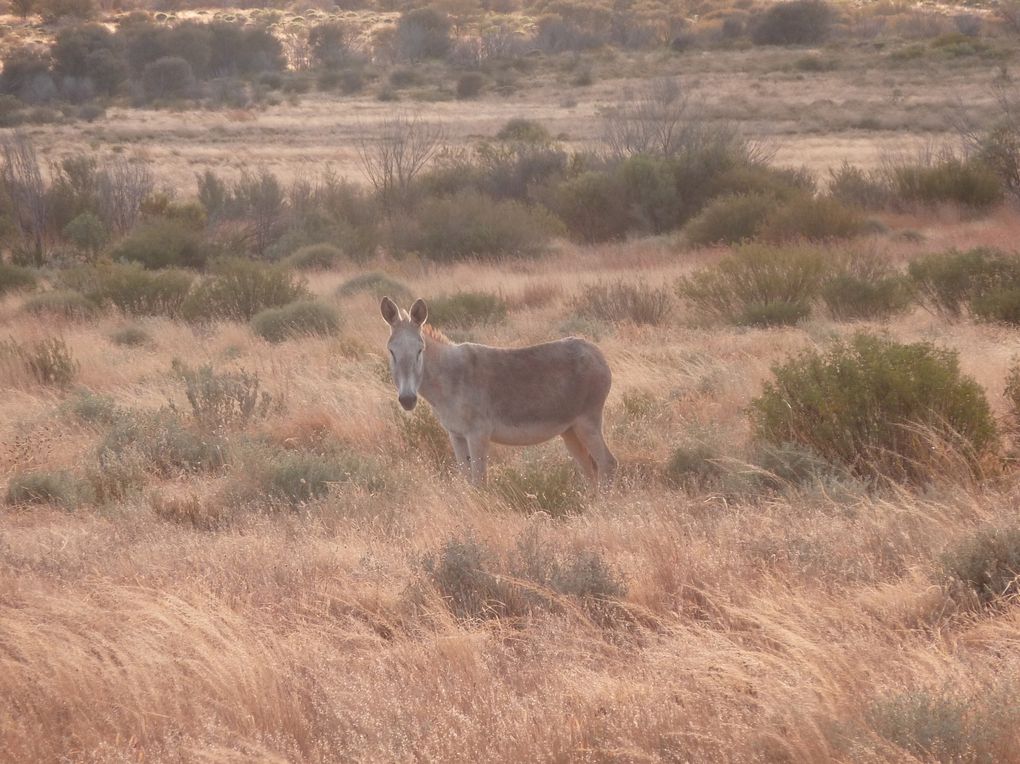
[478, 447]
[461, 453]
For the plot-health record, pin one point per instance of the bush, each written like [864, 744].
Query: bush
[797, 22]
[378, 285]
[130, 336]
[813, 218]
[163, 244]
[590, 207]
[49, 361]
[422, 33]
[94, 409]
[858, 188]
[758, 285]
[473, 225]
[61, 303]
[470, 85]
[133, 289]
[298, 319]
[950, 282]
[466, 309]
[849, 297]
[424, 436]
[969, 183]
[225, 400]
[693, 467]
[87, 232]
[620, 301]
[168, 77]
[315, 257]
[987, 564]
[878, 407]
[299, 477]
[556, 490]
[57, 488]
[999, 305]
[159, 442]
[730, 219]
[14, 278]
[238, 289]
[521, 130]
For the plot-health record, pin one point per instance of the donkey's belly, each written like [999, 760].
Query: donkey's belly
[528, 434]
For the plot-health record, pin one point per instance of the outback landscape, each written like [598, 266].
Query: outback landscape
[791, 229]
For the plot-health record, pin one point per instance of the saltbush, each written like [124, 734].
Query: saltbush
[159, 442]
[878, 407]
[131, 288]
[730, 219]
[222, 400]
[850, 297]
[163, 244]
[237, 289]
[298, 319]
[949, 282]
[967, 182]
[813, 218]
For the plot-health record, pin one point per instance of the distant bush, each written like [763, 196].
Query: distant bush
[796, 22]
[130, 336]
[693, 467]
[849, 297]
[523, 130]
[298, 319]
[590, 205]
[14, 278]
[299, 477]
[222, 400]
[238, 289]
[315, 257]
[859, 188]
[619, 301]
[158, 442]
[422, 33]
[94, 409]
[163, 244]
[131, 288]
[87, 232]
[466, 309]
[758, 285]
[376, 284]
[61, 303]
[987, 564]
[168, 77]
[813, 218]
[950, 282]
[473, 225]
[556, 490]
[48, 361]
[877, 406]
[469, 85]
[730, 219]
[966, 182]
[999, 305]
[43, 487]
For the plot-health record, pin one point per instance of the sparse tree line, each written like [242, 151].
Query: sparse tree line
[232, 62]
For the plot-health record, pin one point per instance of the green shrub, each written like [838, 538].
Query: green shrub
[970, 183]
[168, 77]
[424, 436]
[784, 465]
[61, 303]
[878, 407]
[163, 244]
[473, 225]
[50, 362]
[987, 564]
[378, 285]
[130, 336]
[523, 130]
[460, 573]
[859, 188]
[466, 309]
[14, 278]
[315, 257]
[693, 467]
[850, 298]
[590, 207]
[49, 487]
[758, 285]
[158, 442]
[619, 301]
[949, 282]
[730, 219]
[554, 489]
[87, 232]
[797, 22]
[469, 85]
[298, 477]
[298, 319]
[94, 409]
[238, 289]
[222, 400]
[813, 218]
[131, 288]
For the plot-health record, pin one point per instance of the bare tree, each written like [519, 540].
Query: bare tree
[404, 147]
[24, 187]
[121, 187]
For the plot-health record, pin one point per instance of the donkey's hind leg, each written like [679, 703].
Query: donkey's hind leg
[461, 453]
[580, 454]
[589, 432]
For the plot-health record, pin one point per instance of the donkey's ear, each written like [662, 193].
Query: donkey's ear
[419, 312]
[390, 311]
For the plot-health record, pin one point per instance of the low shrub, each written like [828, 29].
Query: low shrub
[987, 565]
[730, 219]
[49, 361]
[949, 282]
[378, 285]
[589, 204]
[94, 409]
[14, 278]
[522, 130]
[879, 407]
[298, 477]
[469, 85]
[966, 182]
[315, 257]
[222, 400]
[237, 289]
[160, 443]
[814, 218]
[61, 303]
[797, 22]
[619, 301]
[130, 336]
[557, 489]
[859, 188]
[999, 305]
[163, 244]
[298, 319]
[758, 285]
[43, 487]
[849, 297]
[466, 309]
[424, 436]
[131, 288]
[693, 467]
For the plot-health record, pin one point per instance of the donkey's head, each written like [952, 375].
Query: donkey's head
[407, 348]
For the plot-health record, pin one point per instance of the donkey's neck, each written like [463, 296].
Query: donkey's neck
[439, 353]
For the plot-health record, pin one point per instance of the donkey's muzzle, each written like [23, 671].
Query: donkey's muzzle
[408, 401]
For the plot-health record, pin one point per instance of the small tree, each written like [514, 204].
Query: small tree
[405, 146]
[168, 77]
[23, 186]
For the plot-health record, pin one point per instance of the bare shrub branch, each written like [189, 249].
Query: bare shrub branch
[405, 146]
[23, 185]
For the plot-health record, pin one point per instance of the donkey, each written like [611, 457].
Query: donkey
[511, 396]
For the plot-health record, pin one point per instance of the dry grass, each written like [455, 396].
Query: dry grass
[187, 621]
